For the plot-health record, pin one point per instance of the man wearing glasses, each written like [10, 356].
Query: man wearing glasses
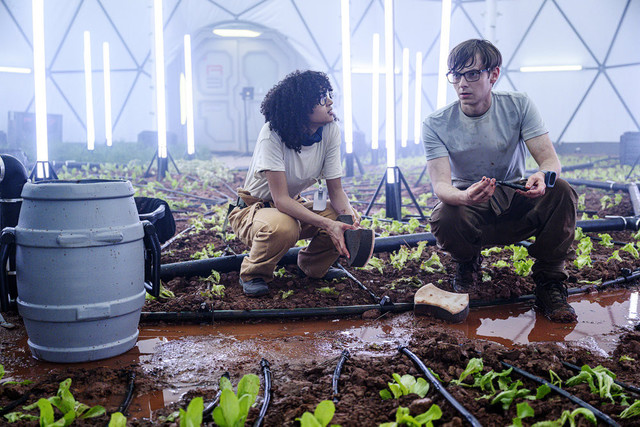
[476, 149]
[298, 146]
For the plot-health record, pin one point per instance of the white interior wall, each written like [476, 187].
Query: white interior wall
[594, 105]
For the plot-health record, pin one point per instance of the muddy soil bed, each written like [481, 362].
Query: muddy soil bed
[298, 386]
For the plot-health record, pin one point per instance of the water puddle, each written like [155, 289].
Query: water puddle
[193, 356]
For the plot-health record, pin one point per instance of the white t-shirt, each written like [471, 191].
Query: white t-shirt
[318, 161]
[490, 145]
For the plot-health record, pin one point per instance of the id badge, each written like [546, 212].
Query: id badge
[320, 199]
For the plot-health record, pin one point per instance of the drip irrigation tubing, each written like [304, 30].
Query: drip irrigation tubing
[611, 186]
[384, 306]
[376, 298]
[628, 387]
[208, 410]
[600, 415]
[336, 373]
[439, 387]
[124, 406]
[266, 372]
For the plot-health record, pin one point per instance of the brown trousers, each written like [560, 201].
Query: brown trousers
[509, 218]
[270, 234]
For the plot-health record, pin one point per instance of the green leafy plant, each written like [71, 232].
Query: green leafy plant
[286, 294]
[579, 234]
[606, 240]
[192, 417]
[404, 385]
[583, 253]
[485, 382]
[632, 411]
[615, 256]
[600, 381]
[494, 250]
[374, 263]
[474, 366]
[321, 417]
[605, 202]
[411, 281]
[433, 264]
[117, 420]
[399, 258]
[280, 272]
[500, 264]
[328, 290]
[523, 410]
[569, 416]
[233, 409]
[506, 397]
[626, 358]
[403, 417]
[523, 267]
[630, 247]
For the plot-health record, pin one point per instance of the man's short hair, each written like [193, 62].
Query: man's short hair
[464, 55]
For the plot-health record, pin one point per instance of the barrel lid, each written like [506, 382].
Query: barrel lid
[77, 189]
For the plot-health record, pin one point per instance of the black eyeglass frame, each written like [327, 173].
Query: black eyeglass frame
[323, 100]
[451, 79]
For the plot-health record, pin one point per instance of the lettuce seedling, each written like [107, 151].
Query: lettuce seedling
[321, 417]
[600, 380]
[399, 259]
[374, 263]
[519, 253]
[500, 264]
[523, 267]
[523, 410]
[569, 416]
[630, 247]
[631, 411]
[117, 420]
[474, 366]
[233, 409]
[65, 402]
[328, 290]
[404, 385]
[605, 202]
[403, 417]
[494, 250]
[606, 240]
[433, 264]
[485, 382]
[506, 397]
[192, 417]
[582, 202]
[615, 255]
[579, 234]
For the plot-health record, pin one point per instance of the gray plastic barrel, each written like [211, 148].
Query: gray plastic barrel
[630, 148]
[80, 269]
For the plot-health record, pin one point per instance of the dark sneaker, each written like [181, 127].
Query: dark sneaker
[466, 275]
[254, 287]
[551, 299]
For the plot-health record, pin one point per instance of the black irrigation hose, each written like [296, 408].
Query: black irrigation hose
[439, 387]
[212, 316]
[600, 415]
[208, 410]
[614, 223]
[124, 406]
[266, 372]
[19, 401]
[628, 387]
[611, 186]
[336, 373]
[375, 297]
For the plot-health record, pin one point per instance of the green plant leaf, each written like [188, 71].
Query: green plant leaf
[118, 420]
[193, 415]
[631, 411]
[324, 412]
[308, 420]
[96, 411]
[230, 407]
[474, 365]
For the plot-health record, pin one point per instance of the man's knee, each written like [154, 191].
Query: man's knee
[445, 217]
[563, 195]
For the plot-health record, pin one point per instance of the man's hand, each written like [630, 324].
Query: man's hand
[535, 185]
[480, 191]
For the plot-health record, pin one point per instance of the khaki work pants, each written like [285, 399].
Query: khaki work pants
[270, 234]
[509, 218]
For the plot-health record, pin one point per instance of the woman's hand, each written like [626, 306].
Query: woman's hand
[336, 230]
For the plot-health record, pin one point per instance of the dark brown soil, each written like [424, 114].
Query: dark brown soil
[300, 386]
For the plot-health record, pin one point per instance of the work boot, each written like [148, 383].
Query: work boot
[466, 275]
[551, 299]
[255, 287]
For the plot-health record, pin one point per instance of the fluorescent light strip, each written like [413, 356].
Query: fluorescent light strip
[404, 133]
[417, 102]
[375, 92]
[191, 147]
[17, 70]
[183, 99]
[364, 70]
[390, 91]
[88, 89]
[445, 31]
[108, 125]
[346, 76]
[39, 77]
[234, 32]
[160, 92]
[546, 68]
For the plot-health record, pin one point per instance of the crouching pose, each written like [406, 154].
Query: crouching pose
[476, 148]
[298, 146]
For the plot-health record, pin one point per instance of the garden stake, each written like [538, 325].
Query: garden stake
[266, 372]
[336, 373]
[628, 387]
[436, 384]
[602, 416]
[124, 406]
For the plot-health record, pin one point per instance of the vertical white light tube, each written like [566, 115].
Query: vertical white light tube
[346, 76]
[417, 103]
[490, 18]
[39, 79]
[188, 74]
[183, 99]
[445, 31]
[88, 88]
[404, 133]
[158, 31]
[375, 91]
[106, 65]
[390, 95]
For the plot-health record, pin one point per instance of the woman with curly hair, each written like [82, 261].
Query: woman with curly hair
[298, 146]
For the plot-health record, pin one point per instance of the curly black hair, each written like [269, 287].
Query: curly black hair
[289, 103]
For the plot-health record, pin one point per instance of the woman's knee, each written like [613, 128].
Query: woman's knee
[283, 229]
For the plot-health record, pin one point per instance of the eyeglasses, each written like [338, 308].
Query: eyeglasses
[469, 76]
[327, 96]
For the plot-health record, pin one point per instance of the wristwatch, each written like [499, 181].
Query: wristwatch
[549, 178]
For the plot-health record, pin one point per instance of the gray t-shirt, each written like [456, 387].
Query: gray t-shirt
[318, 161]
[490, 145]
